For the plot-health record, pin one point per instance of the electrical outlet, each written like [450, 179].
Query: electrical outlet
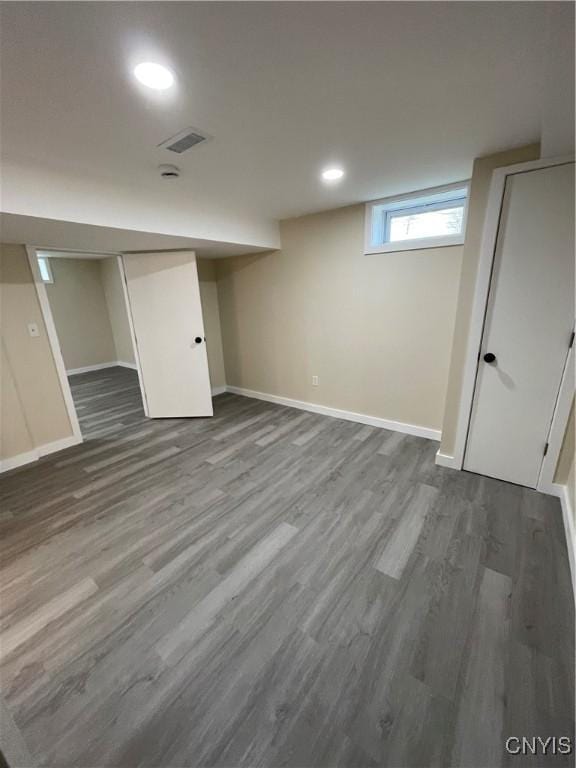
[314, 381]
[33, 329]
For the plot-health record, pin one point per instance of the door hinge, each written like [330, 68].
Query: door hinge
[571, 341]
[545, 449]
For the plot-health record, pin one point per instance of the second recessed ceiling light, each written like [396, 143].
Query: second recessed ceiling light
[154, 75]
[332, 174]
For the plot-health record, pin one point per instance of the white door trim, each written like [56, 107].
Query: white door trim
[54, 343]
[480, 300]
[558, 426]
[561, 491]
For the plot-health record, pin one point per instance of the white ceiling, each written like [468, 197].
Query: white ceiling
[402, 95]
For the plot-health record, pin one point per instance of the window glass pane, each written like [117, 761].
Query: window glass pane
[44, 270]
[411, 226]
[427, 219]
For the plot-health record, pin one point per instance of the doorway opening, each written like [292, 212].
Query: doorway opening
[87, 302]
[519, 376]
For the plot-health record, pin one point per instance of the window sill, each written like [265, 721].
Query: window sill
[415, 245]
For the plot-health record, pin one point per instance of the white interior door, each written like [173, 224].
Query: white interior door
[164, 301]
[528, 325]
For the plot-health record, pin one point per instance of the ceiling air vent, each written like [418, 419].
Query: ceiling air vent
[184, 140]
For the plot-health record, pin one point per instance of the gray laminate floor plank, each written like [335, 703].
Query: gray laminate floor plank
[270, 587]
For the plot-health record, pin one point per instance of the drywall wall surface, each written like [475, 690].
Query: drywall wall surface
[211, 315]
[479, 189]
[34, 410]
[206, 270]
[376, 330]
[571, 483]
[80, 313]
[565, 469]
[15, 437]
[117, 312]
[31, 189]
[557, 119]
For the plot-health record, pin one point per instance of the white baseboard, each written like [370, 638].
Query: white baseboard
[42, 450]
[361, 418]
[100, 367]
[17, 461]
[58, 445]
[444, 460]
[89, 368]
[219, 390]
[557, 489]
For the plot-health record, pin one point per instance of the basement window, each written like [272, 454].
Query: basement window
[431, 218]
[45, 269]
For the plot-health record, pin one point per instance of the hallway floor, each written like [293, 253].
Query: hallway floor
[106, 401]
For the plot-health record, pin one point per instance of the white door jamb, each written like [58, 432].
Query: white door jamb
[53, 341]
[558, 427]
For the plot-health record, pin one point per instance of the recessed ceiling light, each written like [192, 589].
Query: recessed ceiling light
[332, 174]
[154, 75]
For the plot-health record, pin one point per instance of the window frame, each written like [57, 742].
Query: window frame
[46, 261]
[379, 212]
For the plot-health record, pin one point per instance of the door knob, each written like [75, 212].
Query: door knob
[198, 339]
[489, 357]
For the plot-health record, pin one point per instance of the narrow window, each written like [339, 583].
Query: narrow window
[45, 270]
[428, 219]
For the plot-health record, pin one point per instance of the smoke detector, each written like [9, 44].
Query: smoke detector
[169, 171]
[184, 140]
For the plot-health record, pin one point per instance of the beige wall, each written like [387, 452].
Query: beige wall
[376, 329]
[33, 412]
[117, 313]
[14, 433]
[211, 316]
[479, 188]
[206, 270]
[80, 312]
